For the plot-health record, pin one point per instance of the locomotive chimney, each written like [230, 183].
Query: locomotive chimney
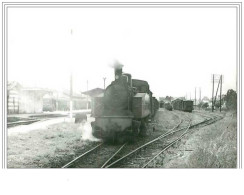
[117, 70]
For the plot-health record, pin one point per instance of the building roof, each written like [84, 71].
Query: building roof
[66, 94]
[94, 92]
[177, 99]
[36, 89]
[14, 85]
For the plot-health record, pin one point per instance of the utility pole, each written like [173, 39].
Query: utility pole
[216, 92]
[195, 97]
[71, 96]
[220, 92]
[57, 102]
[104, 79]
[71, 76]
[213, 95]
[200, 98]
[200, 94]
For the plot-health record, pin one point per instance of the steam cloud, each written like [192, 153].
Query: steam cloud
[86, 130]
[116, 64]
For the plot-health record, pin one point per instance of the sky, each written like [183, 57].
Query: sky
[174, 49]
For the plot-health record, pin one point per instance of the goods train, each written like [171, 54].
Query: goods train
[183, 105]
[161, 104]
[124, 109]
[168, 106]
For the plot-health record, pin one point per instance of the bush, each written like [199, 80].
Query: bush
[231, 100]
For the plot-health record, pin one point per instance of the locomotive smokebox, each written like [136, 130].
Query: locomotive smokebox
[117, 70]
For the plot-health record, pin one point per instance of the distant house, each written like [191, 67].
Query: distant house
[24, 100]
[31, 100]
[205, 99]
[80, 101]
[60, 101]
[167, 99]
[13, 97]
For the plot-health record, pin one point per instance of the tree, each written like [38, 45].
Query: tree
[217, 104]
[231, 100]
[200, 104]
[169, 98]
[205, 105]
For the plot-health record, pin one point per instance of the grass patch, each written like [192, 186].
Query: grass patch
[48, 148]
[218, 148]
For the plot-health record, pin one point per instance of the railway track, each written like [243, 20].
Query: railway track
[30, 120]
[108, 156]
[23, 122]
[146, 146]
[109, 159]
[206, 122]
[102, 154]
[167, 146]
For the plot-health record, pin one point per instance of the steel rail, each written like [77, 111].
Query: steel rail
[144, 145]
[68, 164]
[87, 152]
[170, 144]
[178, 140]
[211, 114]
[113, 155]
[26, 122]
[171, 131]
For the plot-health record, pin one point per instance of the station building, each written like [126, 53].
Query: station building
[23, 100]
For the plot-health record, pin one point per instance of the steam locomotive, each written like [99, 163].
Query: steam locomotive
[125, 108]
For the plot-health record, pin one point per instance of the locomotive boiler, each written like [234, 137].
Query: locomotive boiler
[124, 109]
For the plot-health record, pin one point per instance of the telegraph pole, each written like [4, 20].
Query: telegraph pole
[57, 102]
[220, 92]
[200, 98]
[216, 92]
[71, 77]
[200, 95]
[104, 79]
[213, 95]
[195, 97]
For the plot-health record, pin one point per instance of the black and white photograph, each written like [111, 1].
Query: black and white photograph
[121, 86]
[121, 97]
